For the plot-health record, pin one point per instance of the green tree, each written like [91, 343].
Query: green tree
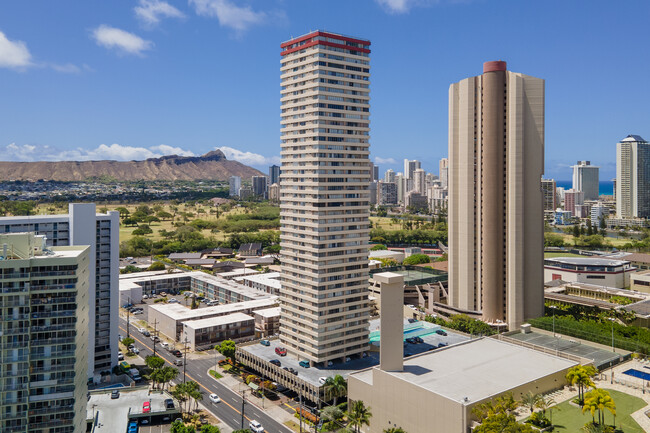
[599, 400]
[227, 348]
[167, 374]
[127, 341]
[210, 429]
[553, 240]
[124, 212]
[416, 259]
[502, 423]
[179, 427]
[358, 415]
[378, 247]
[530, 400]
[394, 430]
[157, 266]
[579, 375]
[154, 362]
[332, 417]
[336, 387]
[576, 231]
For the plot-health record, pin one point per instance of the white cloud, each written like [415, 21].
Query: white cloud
[30, 152]
[229, 14]
[14, 54]
[248, 158]
[122, 41]
[150, 12]
[402, 6]
[380, 160]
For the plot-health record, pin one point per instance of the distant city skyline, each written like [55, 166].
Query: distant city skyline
[147, 78]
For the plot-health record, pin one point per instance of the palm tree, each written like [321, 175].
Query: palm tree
[581, 376]
[594, 428]
[167, 374]
[336, 387]
[547, 403]
[331, 416]
[531, 400]
[599, 400]
[358, 415]
[394, 430]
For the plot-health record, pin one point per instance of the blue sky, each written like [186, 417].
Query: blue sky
[134, 79]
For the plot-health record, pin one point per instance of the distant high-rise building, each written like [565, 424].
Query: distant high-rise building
[235, 184]
[274, 174]
[372, 191]
[245, 192]
[416, 202]
[496, 228]
[409, 168]
[386, 193]
[573, 198]
[419, 181]
[83, 226]
[400, 184]
[389, 176]
[374, 172]
[444, 170]
[549, 195]
[598, 212]
[324, 203]
[258, 184]
[585, 179]
[633, 178]
[44, 334]
[274, 193]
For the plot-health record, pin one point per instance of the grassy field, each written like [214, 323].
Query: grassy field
[570, 419]
[384, 223]
[615, 242]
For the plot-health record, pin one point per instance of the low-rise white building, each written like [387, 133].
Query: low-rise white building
[206, 333]
[268, 282]
[591, 270]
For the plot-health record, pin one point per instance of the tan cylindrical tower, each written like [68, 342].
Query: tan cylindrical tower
[493, 189]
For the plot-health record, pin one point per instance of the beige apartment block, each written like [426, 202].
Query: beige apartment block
[43, 334]
[324, 197]
[496, 160]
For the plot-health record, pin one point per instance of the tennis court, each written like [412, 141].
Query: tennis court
[572, 346]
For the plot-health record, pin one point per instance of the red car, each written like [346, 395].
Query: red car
[146, 407]
[281, 351]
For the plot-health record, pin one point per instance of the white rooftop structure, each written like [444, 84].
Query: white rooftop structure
[217, 321]
[238, 273]
[179, 312]
[269, 312]
[476, 370]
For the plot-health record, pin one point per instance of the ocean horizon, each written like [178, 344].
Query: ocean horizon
[604, 187]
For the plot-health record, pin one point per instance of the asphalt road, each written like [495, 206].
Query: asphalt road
[229, 410]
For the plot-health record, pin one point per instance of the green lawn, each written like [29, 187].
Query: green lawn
[569, 419]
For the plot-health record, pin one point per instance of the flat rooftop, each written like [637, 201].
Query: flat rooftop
[269, 312]
[218, 321]
[182, 313]
[238, 273]
[114, 414]
[478, 369]
[312, 374]
[587, 261]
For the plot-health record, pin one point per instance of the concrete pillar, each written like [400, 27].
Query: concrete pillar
[391, 354]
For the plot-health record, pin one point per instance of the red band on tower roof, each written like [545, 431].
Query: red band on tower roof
[496, 65]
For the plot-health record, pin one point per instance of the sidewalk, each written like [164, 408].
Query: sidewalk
[272, 408]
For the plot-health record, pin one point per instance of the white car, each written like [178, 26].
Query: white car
[135, 350]
[120, 356]
[164, 344]
[214, 398]
[322, 380]
[141, 330]
[256, 427]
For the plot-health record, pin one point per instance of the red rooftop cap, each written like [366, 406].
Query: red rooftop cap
[494, 66]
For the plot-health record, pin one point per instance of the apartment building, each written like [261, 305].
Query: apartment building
[496, 227]
[549, 196]
[633, 178]
[585, 179]
[324, 198]
[234, 184]
[83, 226]
[44, 334]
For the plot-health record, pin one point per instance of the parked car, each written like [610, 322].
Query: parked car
[265, 343]
[441, 332]
[141, 330]
[177, 353]
[410, 340]
[169, 403]
[164, 345]
[115, 394]
[304, 364]
[146, 333]
[442, 344]
[281, 351]
[174, 301]
[275, 362]
[418, 340]
[145, 296]
[136, 312]
[146, 407]
[322, 380]
[256, 427]
[411, 320]
[120, 337]
[155, 338]
[133, 427]
[120, 356]
[293, 370]
[135, 350]
[178, 362]
[214, 398]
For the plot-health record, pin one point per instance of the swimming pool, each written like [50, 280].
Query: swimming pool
[636, 373]
[417, 329]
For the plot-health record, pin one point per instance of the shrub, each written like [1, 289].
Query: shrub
[416, 259]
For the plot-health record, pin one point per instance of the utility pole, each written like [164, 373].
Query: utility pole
[300, 412]
[128, 321]
[155, 334]
[243, 400]
[184, 357]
